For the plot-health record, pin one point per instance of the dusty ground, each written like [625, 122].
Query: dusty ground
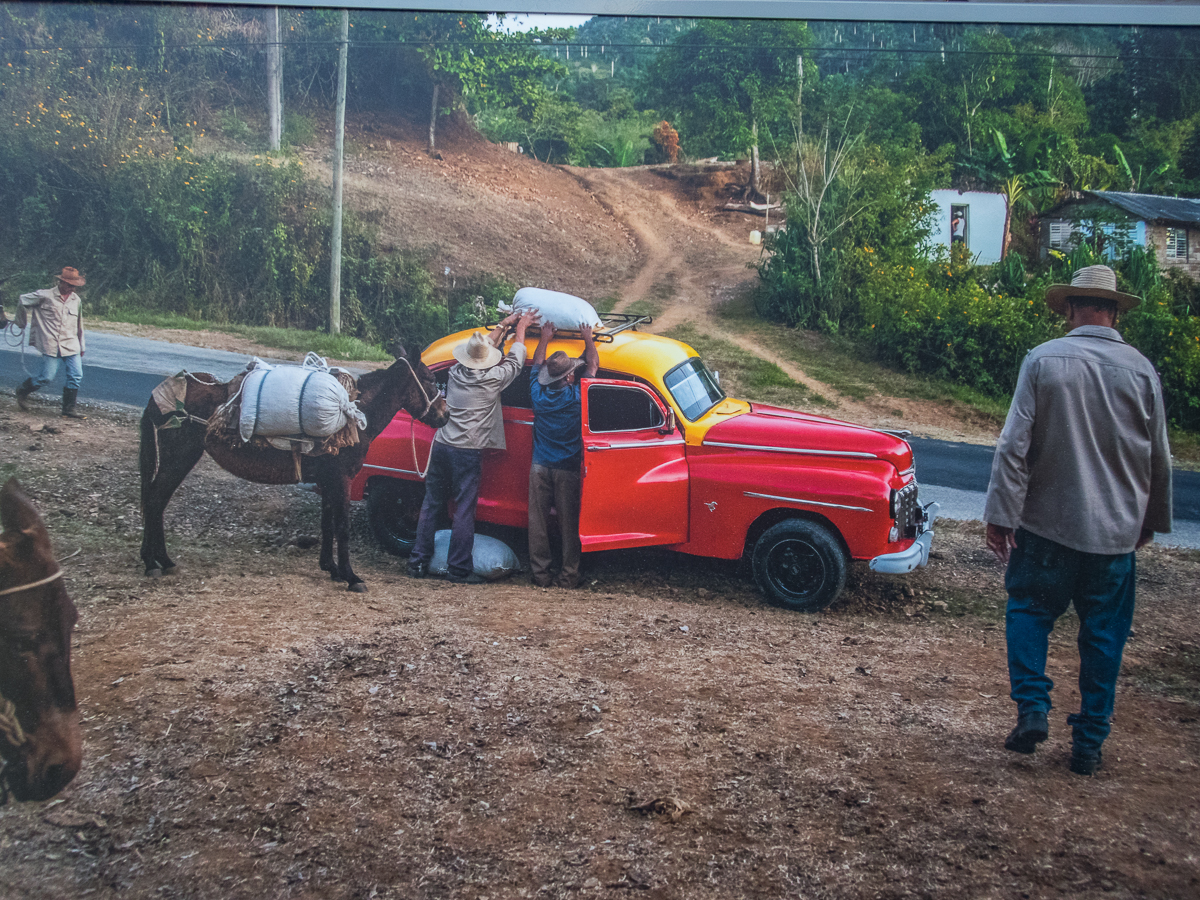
[253, 731]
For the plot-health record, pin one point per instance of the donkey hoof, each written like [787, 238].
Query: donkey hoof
[359, 587]
[154, 573]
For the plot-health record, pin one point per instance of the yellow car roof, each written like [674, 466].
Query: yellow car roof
[635, 353]
[632, 353]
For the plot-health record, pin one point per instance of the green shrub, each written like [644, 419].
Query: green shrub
[935, 317]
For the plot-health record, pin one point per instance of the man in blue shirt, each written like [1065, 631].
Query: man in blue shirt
[554, 479]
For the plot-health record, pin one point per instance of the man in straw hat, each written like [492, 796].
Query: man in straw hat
[456, 456]
[557, 455]
[56, 329]
[1080, 480]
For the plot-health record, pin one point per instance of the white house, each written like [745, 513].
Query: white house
[980, 222]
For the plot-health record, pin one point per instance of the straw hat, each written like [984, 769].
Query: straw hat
[72, 277]
[558, 366]
[477, 352]
[1092, 281]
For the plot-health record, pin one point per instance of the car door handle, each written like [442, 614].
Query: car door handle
[598, 446]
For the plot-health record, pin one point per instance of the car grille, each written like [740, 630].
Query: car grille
[907, 511]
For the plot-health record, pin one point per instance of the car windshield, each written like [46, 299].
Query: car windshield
[694, 388]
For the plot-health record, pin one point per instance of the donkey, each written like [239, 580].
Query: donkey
[39, 723]
[167, 455]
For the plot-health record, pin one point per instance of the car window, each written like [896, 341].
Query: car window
[694, 388]
[616, 408]
[516, 395]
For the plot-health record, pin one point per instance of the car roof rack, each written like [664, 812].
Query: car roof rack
[611, 323]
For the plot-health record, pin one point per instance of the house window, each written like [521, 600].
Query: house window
[1177, 243]
[1064, 235]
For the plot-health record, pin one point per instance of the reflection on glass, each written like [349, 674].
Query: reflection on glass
[694, 388]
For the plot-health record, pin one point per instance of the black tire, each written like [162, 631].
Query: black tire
[800, 565]
[393, 508]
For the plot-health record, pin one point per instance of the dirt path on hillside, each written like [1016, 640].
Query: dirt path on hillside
[694, 258]
[655, 237]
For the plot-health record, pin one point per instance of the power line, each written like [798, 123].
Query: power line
[624, 48]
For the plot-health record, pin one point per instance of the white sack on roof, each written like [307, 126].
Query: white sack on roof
[566, 311]
[293, 401]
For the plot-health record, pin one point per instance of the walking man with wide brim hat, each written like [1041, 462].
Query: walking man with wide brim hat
[456, 455]
[56, 330]
[1081, 479]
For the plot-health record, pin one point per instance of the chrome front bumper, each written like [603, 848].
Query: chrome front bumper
[916, 556]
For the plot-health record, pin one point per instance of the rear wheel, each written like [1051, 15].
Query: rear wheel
[800, 565]
[393, 508]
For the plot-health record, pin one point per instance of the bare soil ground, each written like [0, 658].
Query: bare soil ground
[251, 730]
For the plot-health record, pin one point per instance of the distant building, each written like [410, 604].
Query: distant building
[1170, 225]
[976, 218]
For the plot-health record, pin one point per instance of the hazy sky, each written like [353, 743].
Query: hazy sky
[526, 21]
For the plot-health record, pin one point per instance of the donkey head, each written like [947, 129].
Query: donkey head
[39, 723]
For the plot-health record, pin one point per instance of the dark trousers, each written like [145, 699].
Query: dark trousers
[453, 474]
[1043, 579]
[558, 488]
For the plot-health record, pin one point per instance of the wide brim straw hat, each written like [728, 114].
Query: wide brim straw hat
[477, 352]
[557, 367]
[1090, 281]
[72, 277]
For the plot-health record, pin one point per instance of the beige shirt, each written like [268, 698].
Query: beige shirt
[1083, 458]
[473, 400]
[56, 323]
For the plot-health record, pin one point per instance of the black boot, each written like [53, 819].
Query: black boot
[69, 411]
[23, 393]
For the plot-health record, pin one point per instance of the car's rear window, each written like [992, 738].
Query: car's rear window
[694, 388]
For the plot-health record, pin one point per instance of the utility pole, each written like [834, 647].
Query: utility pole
[339, 142]
[274, 77]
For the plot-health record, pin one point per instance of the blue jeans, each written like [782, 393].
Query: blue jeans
[1043, 579]
[50, 370]
[453, 474]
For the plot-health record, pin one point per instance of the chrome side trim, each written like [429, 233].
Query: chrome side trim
[634, 444]
[386, 469]
[805, 502]
[857, 454]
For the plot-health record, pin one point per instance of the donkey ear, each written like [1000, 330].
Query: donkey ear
[17, 512]
[397, 350]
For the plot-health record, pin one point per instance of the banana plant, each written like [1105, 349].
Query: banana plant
[1135, 181]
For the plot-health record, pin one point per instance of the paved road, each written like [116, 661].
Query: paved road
[125, 370]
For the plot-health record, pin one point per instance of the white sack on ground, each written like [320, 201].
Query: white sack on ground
[492, 559]
[307, 400]
[566, 311]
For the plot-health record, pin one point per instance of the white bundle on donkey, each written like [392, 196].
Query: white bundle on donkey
[295, 402]
[308, 409]
[566, 311]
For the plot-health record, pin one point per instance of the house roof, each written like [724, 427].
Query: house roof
[1152, 207]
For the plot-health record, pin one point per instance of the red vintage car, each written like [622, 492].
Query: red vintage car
[671, 461]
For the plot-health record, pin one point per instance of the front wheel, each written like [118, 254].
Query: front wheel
[394, 508]
[800, 565]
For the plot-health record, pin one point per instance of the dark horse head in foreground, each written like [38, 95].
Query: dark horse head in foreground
[169, 453]
[39, 724]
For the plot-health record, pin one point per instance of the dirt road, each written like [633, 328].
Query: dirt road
[252, 730]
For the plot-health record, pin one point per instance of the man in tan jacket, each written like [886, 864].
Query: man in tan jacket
[56, 330]
[1081, 479]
